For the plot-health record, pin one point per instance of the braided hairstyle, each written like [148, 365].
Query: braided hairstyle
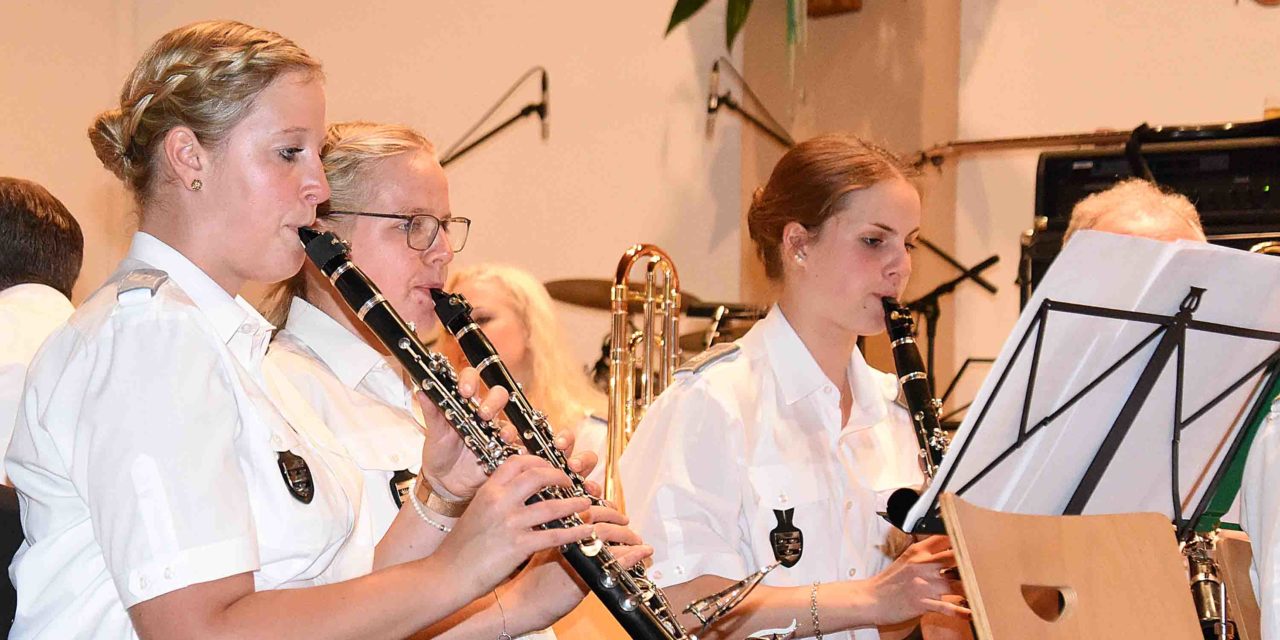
[807, 185]
[204, 76]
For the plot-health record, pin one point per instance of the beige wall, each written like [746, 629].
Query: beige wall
[61, 62]
[627, 160]
[1057, 67]
[886, 73]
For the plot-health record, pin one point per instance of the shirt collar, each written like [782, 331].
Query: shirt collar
[799, 375]
[228, 315]
[345, 353]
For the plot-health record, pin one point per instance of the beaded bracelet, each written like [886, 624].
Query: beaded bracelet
[813, 611]
[422, 511]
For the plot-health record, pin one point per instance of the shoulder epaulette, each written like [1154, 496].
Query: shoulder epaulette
[141, 280]
[701, 361]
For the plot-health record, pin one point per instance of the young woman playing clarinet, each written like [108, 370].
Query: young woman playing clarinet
[784, 445]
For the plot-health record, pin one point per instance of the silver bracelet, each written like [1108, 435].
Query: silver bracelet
[504, 635]
[422, 510]
[813, 611]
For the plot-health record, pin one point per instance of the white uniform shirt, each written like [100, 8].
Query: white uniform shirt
[146, 457]
[1260, 516]
[361, 398]
[28, 314]
[758, 431]
[364, 402]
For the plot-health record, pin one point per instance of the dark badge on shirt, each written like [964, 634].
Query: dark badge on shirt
[401, 485]
[297, 476]
[787, 540]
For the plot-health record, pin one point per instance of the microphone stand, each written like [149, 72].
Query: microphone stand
[774, 130]
[927, 306]
[726, 100]
[533, 108]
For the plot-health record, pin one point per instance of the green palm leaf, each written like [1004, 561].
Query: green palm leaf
[683, 11]
[735, 19]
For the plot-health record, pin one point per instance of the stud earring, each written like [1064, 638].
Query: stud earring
[800, 256]
[197, 185]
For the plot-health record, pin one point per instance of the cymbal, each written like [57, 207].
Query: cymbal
[596, 294]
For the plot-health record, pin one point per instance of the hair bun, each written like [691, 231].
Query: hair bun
[109, 144]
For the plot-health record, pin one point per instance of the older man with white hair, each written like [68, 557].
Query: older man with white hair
[1137, 207]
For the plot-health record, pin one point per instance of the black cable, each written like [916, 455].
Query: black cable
[779, 130]
[448, 154]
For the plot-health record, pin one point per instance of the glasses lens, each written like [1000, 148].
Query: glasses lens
[422, 232]
[455, 231]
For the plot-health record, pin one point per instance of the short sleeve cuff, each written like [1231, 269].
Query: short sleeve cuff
[677, 571]
[188, 567]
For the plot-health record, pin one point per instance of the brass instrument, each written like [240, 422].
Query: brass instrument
[1269, 247]
[1208, 591]
[641, 362]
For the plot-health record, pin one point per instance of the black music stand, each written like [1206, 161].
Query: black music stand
[1117, 393]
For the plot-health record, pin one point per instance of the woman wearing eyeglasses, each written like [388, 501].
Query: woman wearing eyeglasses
[390, 201]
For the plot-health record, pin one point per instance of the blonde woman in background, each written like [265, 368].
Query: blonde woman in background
[390, 202]
[517, 314]
[164, 494]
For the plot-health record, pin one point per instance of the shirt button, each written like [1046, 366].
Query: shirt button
[395, 457]
[782, 497]
[143, 583]
[657, 575]
[853, 572]
[679, 570]
[828, 389]
[848, 504]
[246, 328]
[168, 573]
[275, 441]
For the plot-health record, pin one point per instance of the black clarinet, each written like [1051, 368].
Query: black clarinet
[532, 425]
[924, 408]
[632, 604]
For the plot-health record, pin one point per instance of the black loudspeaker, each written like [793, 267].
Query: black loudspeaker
[1235, 185]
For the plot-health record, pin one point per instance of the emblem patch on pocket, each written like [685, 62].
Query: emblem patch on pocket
[786, 539]
[297, 476]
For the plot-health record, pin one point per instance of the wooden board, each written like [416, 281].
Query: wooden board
[1119, 576]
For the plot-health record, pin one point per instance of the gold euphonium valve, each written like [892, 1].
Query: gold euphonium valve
[641, 361]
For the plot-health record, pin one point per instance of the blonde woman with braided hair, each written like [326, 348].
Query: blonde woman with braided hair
[390, 202]
[164, 493]
[518, 316]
